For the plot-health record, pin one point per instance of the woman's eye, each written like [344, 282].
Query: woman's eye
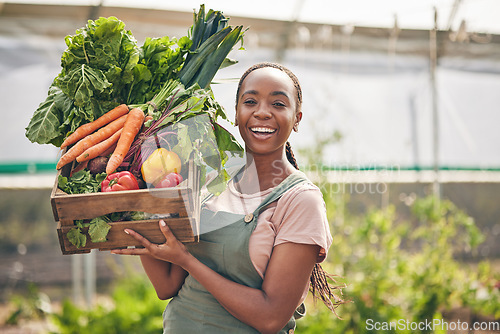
[249, 102]
[279, 104]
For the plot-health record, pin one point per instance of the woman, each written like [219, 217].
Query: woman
[261, 240]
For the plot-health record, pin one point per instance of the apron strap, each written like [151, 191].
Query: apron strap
[291, 181]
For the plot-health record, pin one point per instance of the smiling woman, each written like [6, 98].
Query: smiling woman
[266, 110]
[261, 240]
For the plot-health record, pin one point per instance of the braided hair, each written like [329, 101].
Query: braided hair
[319, 287]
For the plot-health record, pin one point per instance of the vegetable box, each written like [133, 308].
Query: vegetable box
[178, 206]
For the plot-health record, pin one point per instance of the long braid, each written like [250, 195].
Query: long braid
[319, 287]
[290, 156]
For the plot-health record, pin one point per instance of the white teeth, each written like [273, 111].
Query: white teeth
[268, 130]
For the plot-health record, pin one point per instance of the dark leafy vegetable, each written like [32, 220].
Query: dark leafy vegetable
[98, 229]
[103, 66]
[81, 182]
[160, 60]
[96, 67]
[47, 121]
[76, 237]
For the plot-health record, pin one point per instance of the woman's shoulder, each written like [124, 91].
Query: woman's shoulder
[302, 197]
[305, 190]
[300, 216]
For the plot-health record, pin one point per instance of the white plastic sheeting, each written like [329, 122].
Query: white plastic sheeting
[379, 103]
[384, 112]
[479, 15]
[26, 72]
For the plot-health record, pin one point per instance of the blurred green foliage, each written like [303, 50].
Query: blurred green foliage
[397, 268]
[135, 308]
[32, 305]
[403, 270]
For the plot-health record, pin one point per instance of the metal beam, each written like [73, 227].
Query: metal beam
[289, 28]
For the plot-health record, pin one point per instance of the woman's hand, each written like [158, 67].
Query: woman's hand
[159, 261]
[172, 250]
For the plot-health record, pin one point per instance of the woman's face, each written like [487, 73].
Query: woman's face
[266, 110]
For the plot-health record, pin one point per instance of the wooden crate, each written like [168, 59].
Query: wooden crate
[181, 202]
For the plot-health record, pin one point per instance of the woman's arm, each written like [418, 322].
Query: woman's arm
[167, 278]
[267, 309]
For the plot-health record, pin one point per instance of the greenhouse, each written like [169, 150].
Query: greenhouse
[400, 108]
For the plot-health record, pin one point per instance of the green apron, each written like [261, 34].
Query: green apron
[223, 247]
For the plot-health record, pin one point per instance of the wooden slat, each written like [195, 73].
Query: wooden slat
[155, 201]
[116, 238]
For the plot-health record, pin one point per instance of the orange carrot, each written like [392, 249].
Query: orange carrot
[110, 150]
[91, 140]
[99, 148]
[131, 128]
[88, 128]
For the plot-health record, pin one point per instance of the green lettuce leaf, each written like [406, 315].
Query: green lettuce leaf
[98, 229]
[219, 183]
[160, 60]
[44, 126]
[96, 68]
[83, 83]
[226, 141]
[76, 237]
[81, 182]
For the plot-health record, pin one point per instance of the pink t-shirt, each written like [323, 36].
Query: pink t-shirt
[299, 216]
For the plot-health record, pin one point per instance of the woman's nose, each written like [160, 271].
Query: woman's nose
[262, 112]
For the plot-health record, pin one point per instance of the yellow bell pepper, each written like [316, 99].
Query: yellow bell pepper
[160, 163]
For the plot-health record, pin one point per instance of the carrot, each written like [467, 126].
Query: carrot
[131, 128]
[99, 148]
[110, 150]
[88, 128]
[90, 140]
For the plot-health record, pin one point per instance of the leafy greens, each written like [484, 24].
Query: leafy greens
[101, 68]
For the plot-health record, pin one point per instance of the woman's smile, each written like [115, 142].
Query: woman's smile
[263, 133]
[262, 129]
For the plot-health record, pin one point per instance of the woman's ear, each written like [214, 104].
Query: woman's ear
[298, 117]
